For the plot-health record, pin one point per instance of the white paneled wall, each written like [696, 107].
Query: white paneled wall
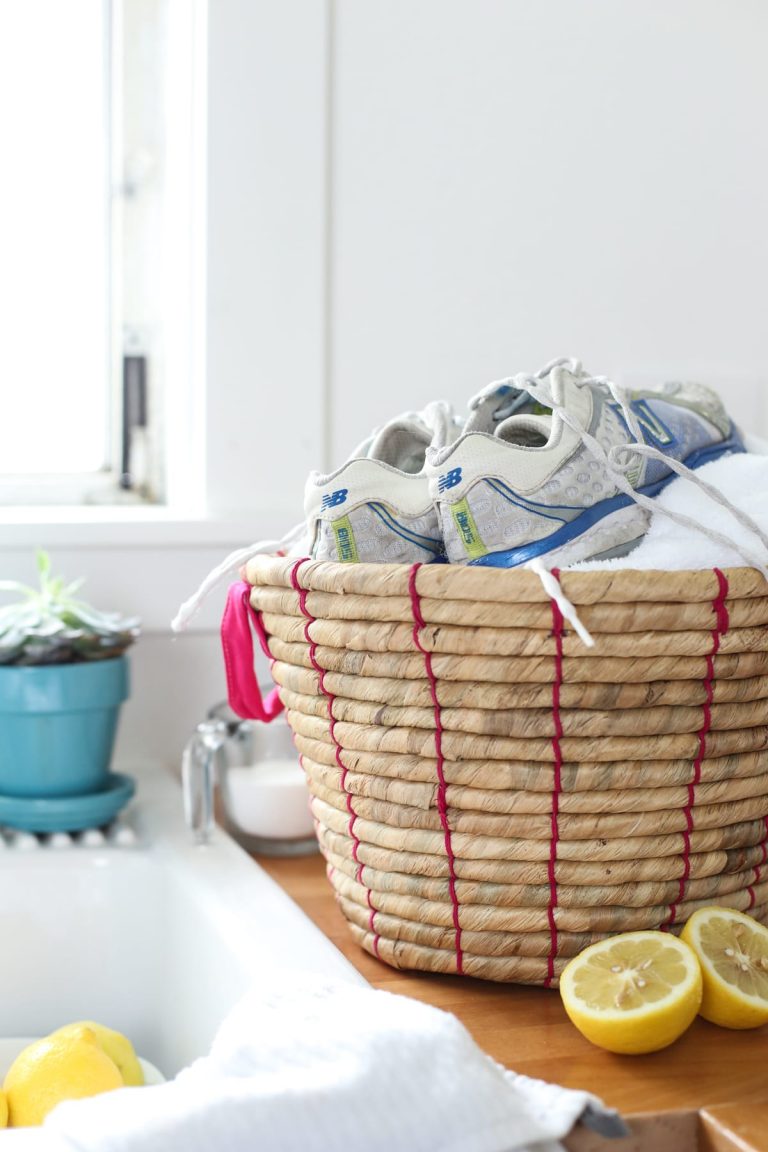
[515, 181]
[266, 275]
[409, 198]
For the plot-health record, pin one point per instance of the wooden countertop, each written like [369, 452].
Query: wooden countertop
[526, 1029]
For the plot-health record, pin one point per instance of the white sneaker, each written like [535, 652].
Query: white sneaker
[554, 465]
[376, 508]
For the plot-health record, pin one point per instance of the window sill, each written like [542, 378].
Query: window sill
[100, 527]
[140, 561]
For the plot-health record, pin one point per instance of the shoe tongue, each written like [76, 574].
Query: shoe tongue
[518, 404]
[401, 443]
[529, 430]
[502, 406]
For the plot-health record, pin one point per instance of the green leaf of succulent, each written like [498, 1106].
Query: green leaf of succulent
[16, 586]
[49, 625]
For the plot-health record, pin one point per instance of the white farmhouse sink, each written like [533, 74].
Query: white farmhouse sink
[158, 940]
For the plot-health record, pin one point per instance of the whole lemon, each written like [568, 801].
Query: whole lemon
[116, 1046]
[57, 1068]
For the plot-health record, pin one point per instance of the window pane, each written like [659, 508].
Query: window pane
[54, 288]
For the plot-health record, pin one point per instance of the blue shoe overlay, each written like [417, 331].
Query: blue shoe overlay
[430, 545]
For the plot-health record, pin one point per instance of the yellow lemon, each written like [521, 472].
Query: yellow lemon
[55, 1069]
[632, 993]
[733, 952]
[3, 1111]
[116, 1046]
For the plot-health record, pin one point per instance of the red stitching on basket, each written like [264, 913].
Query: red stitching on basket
[722, 623]
[371, 920]
[758, 869]
[329, 699]
[442, 805]
[557, 759]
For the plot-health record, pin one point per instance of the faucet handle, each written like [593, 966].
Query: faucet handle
[198, 775]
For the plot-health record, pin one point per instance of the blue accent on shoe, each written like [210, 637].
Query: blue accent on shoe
[548, 511]
[514, 557]
[428, 543]
[733, 443]
[655, 431]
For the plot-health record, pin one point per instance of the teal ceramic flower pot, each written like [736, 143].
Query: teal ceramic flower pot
[58, 725]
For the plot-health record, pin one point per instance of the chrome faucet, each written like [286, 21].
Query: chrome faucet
[198, 776]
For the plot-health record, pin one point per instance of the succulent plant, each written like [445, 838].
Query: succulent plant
[49, 625]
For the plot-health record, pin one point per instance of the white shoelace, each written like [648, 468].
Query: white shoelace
[439, 419]
[618, 469]
[553, 589]
[228, 567]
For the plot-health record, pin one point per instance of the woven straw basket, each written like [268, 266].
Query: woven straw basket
[491, 795]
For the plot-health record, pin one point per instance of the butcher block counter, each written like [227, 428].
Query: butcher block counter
[708, 1091]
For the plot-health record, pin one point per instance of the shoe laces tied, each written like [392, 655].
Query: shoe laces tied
[523, 382]
[620, 459]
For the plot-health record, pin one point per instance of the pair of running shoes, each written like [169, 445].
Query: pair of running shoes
[558, 464]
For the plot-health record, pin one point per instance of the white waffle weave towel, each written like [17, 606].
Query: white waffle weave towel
[307, 1064]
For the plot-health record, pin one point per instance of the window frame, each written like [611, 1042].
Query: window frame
[180, 91]
[271, 282]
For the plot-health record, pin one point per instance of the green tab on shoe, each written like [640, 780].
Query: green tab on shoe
[465, 522]
[345, 541]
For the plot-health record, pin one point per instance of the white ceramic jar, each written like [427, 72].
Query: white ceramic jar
[262, 786]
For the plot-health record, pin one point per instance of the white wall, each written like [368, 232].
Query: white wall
[266, 251]
[408, 198]
[517, 181]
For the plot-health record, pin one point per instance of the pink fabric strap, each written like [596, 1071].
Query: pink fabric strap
[237, 626]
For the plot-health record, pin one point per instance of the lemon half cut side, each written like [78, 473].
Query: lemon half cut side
[633, 993]
[733, 952]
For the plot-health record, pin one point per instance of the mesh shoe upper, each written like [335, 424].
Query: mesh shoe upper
[522, 480]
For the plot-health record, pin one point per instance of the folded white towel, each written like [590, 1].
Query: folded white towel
[742, 479]
[309, 1064]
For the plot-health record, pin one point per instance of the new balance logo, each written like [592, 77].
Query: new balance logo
[333, 499]
[449, 479]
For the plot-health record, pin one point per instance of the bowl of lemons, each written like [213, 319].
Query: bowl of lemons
[76, 1061]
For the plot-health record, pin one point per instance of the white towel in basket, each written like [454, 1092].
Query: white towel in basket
[306, 1064]
[743, 481]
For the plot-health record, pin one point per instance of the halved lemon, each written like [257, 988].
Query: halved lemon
[632, 993]
[733, 952]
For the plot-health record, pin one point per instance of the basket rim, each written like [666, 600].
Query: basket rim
[462, 582]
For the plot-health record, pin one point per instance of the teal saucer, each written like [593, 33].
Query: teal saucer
[68, 813]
